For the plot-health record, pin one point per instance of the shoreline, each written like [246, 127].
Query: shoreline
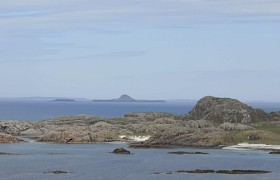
[139, 145]
[247, 146]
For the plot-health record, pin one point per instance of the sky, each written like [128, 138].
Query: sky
[149, 49]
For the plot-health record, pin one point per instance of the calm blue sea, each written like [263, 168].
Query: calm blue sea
[41, 110]
[95, 162]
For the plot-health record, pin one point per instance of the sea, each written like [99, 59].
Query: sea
[37, 161]
[42, 110]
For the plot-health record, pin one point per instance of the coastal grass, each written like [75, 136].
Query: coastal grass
[267, 134]
[268, 127]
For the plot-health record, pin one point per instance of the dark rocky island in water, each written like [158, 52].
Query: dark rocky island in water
[126, 98]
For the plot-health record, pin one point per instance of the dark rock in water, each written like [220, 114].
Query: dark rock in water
[202, 171]
[121, 151]
[275, 152]
[57, 172]
[4, 153]
[220, 110]
[243, 172]
[183, 152]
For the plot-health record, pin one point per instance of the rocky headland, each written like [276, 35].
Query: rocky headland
[213, 122]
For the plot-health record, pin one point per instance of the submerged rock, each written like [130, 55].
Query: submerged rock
[57, 172]
[9, 154]
[183, 152]
[202, 171]
[275, 152]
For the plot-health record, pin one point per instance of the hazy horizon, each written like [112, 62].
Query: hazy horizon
[109, 98]
[162, 49]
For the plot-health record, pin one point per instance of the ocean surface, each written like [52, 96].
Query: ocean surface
[95, 162]
[42, 110]
[33, 161]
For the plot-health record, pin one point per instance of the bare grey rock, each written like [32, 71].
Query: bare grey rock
[235, 127]
[14, 127]
[6, 138]
[220, 110]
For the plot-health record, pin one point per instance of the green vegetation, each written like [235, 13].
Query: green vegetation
[263, 134]
[269, 127]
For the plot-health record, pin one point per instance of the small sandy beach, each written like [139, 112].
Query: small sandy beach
[242, 146]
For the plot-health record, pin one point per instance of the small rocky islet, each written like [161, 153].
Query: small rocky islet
[56, 172]
[121, 151]
[213, 123]
[209, 171]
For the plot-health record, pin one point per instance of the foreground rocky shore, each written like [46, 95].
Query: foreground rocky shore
[214, 122]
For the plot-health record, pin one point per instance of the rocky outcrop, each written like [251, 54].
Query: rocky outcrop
[221, 110]
[14, 127]
[234, 127]
[6, 138]
[275, 116]
[150, 115]
[188, 138]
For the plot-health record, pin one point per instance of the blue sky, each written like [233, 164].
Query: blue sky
[159, 49]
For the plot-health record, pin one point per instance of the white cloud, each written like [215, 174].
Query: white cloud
[23, 23]
[53, 14]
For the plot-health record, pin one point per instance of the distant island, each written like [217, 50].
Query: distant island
[126, 98]
[64, 100]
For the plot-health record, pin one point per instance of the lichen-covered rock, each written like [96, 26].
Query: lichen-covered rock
[275, 116]
[149, 115]
[235, 127]
[200, 124]
[188, 137]
[14, 127]
[220, 110]
[6, 138]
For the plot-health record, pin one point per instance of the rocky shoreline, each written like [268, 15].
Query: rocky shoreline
[213, 123]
